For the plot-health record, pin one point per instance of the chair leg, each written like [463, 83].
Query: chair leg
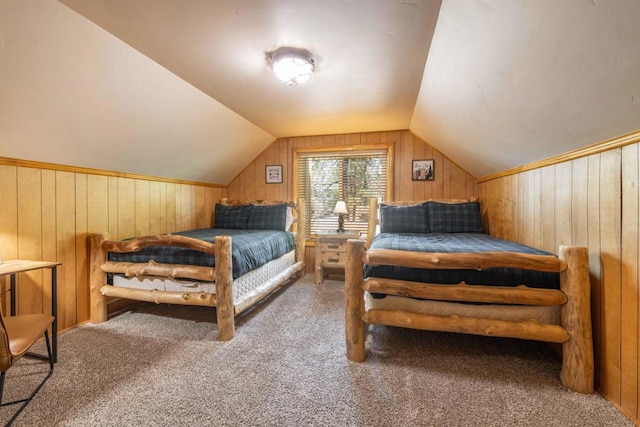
[2, 386]
[26, 401]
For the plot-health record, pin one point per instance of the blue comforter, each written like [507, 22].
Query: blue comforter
[250, 249]
[459, 242]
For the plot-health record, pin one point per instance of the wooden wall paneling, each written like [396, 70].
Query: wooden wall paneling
[547, 201]
[457, 182]
[562, 204]
[97, 203]
[126, 208]
[260, 186]
[486, 201]
[141, 207]
[8, 222]
[610, 206]
[250, 176]
[592, 201]
[113, 208]
[170, 208]
[234, 185]
[66, 248]
[498, 206]
[406, 157]
[269, 189]
[29, 289]
[178, 207]
[579, 202]
[420, 187]
[278, 191]
[82, 256]
[595, 261]
[629, 285]
[525, 208]
[102, 208]
[200, 209]
[162, 213]
[437, 188]
[393, 137]
[428, 186]
[533, 207]
[498, 209]
[446, 178]
[287, 174]
[186, 205]
[155, 208]
[211, 197]
[49, 222]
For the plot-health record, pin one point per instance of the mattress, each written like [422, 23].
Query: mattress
[243, 287]
[543, 314]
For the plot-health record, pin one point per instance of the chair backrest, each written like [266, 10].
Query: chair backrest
[5, 353]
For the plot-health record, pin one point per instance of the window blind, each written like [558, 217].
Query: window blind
[355, 177]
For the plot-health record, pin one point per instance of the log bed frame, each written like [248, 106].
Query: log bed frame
[573, 332]
[221, 274]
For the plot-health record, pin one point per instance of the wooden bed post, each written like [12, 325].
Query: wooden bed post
[224, 294]
[354, 301]
[97, 278]
[301, 237]
[373, 220]
[575, 316]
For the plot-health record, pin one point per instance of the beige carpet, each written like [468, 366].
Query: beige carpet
[162, 366]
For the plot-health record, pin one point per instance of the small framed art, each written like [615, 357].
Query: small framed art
[273, 174]
[422, 170]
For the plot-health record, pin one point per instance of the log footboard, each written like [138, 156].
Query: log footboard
[574, 330]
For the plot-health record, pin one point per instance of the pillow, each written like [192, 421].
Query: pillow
[232, 216]
[289, 219]
[403, 219]
[454, 217]
[272, 217]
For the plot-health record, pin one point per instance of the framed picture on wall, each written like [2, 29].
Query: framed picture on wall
[273, 174]
[422, 170]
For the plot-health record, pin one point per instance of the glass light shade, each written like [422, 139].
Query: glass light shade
[293, 69]
[341, 208]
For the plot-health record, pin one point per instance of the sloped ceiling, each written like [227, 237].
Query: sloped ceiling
[512, 82]
[181, 88]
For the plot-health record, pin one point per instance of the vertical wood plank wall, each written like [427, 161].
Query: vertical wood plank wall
[46, 215]
[450, 180]
[591, 201]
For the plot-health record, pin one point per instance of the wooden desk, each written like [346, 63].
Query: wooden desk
[12, 267]
[331, 251]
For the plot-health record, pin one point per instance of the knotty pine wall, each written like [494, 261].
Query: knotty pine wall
[46, 214]
[450, 180]
[591, 201]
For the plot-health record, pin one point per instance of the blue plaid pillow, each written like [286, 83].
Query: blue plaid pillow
[232, 216]
[454, 218]
[403, 219]
[273, 217]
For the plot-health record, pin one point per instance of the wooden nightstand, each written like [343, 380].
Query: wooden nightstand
[331, 251]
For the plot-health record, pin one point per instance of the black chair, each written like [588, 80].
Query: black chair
[17, 335]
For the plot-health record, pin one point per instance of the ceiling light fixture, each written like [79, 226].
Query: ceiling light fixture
[292, 66]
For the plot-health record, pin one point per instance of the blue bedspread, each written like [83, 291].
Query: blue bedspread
[459, 242]
[250, 249]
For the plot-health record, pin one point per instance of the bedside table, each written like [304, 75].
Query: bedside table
[331, 251]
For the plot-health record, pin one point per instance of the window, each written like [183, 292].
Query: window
[354, 176]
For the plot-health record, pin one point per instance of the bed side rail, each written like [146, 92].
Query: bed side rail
[466, 260]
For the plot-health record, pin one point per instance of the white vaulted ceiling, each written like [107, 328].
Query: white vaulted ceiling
[184, 84]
